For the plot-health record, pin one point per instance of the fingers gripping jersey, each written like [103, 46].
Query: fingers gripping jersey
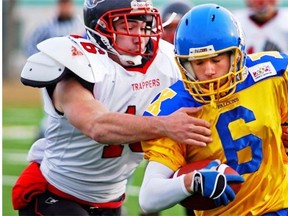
[76, 164]
[246, 132]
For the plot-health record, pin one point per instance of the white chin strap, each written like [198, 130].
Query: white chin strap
[125, 60]
[189, 71]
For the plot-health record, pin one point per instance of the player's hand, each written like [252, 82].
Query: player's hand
[228, 194]
[285, 134]
[208, 182]
[214, 184]
[184, 128]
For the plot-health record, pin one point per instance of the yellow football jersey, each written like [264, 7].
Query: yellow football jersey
[246, 132]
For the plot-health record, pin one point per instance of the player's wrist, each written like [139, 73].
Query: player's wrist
[188, 181]
[196, 182]
[158, 126]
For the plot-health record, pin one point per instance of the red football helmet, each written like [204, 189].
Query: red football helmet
[100, 15]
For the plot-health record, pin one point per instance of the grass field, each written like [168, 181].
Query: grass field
[22, 112]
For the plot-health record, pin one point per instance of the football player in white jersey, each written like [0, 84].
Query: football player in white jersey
[95, 92]
[265, 26]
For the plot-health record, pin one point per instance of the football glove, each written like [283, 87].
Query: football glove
[209, 182]
[228, 194]
[212, 184]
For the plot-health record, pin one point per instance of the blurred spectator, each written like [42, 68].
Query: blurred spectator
[180, 8]
[265, 25]
[64, 23]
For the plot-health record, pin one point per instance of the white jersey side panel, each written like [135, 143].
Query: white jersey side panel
[95, 172]
[273, 35]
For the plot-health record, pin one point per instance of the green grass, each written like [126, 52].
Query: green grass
[20, 125]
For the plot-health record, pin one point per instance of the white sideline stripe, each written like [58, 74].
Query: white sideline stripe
[19, 132]
[13, 157]
[9, 180]
[133, 190]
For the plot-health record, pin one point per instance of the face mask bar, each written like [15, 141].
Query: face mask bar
[153, 28]
[216, 89]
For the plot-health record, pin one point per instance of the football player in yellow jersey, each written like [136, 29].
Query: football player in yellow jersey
[244, 97]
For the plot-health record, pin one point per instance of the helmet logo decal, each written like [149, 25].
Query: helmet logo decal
[136, 5]
[201, 52]
[92, 3]
[207, 49]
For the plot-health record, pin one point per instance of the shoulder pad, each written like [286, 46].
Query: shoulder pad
[40, 70]
[79, 55]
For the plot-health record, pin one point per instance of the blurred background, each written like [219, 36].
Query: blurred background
[21, 17]
[22, 106]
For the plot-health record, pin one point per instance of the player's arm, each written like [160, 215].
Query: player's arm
[96, 121]
[160, 190]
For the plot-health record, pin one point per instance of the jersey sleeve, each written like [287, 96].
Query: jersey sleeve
[165, 151]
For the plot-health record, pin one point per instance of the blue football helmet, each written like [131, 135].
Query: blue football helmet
[206, 31]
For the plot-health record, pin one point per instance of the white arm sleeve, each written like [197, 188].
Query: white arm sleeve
[159, 191]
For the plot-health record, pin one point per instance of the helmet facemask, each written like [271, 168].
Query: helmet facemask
[217, 89]
[106, 34]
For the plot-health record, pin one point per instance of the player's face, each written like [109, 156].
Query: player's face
[262, 6]
[66, 9]
[135, 43]
[211, 68]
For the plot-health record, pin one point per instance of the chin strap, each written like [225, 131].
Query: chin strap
[127, 60]
[213, 100]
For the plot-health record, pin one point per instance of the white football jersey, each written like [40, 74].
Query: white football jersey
[78, 165]
[272, 35]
